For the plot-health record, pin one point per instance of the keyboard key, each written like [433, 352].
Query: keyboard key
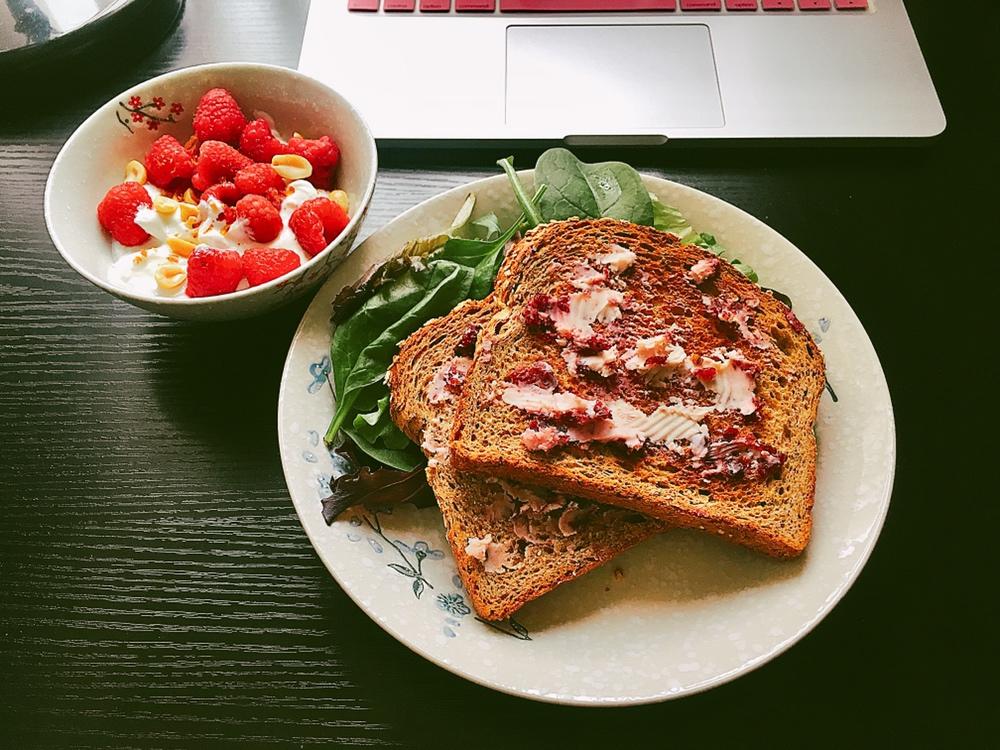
[741, 4]
[396, 6]
[701, 4]
[475, 5]
[507, 6]
[851, 4]
[814, 4]
[369, 5]
[435, 6]
[779, 4]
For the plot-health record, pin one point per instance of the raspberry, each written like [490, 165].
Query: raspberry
[257, 179]
[263, 264]
[263, 220]
[218, 117]
[225, 192]
[322, 153]
[168, 161]
[217, 161]
[258, 142]
[212, 271]
[276, 197]
[316, 223]
[116, 212]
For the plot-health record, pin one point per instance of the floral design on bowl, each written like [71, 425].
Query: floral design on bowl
[148, 113]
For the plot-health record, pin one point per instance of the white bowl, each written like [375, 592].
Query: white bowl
[94, 158]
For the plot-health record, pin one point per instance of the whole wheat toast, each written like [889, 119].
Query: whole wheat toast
[557, 541]
[748, 477]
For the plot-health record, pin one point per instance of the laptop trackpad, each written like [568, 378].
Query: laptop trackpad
[612, 79]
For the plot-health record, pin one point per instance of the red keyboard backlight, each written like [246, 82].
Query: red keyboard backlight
[567, 6]
[593, 6]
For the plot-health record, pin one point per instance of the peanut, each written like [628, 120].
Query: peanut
[181, 247]
[169, 276]
[164, 205]
[340, 198]
[292, 166]
[135, 171]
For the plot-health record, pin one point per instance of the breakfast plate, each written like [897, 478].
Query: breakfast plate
[678, 614]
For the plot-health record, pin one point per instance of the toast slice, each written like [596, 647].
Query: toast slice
[512, 543]
[631, 369]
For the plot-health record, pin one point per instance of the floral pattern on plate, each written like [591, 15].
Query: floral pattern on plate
[677, 614]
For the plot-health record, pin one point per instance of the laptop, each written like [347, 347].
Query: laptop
[593, 72]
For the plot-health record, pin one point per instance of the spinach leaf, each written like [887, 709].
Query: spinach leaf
[482, 256]
[371, 425]
[363, 346]
[669, 219]
[407, 458]
[377, 435]
[378, 425]
[611, 189]
[707, 241]
[746, 270]
[373, 315]
[532, 216]
[488, 226]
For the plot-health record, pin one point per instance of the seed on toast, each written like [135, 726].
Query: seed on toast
[629, 368]
[511, 542]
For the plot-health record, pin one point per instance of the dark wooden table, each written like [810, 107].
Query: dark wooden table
[156, 588]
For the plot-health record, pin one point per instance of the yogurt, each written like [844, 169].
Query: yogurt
[135, 268]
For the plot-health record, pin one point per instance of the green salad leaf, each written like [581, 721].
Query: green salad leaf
[377, 435]
[487, 225]
[669, 219]
[363, 346]
[532, 216]
[422, 246]
[483, 256]
[574, 188]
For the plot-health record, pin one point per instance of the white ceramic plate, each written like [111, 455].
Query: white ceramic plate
[679, 613]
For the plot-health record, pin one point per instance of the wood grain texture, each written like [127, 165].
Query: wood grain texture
[156, 589]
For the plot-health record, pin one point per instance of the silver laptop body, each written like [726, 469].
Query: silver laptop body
[631, 77]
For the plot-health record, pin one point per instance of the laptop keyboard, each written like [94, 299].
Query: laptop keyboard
[594, 6]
